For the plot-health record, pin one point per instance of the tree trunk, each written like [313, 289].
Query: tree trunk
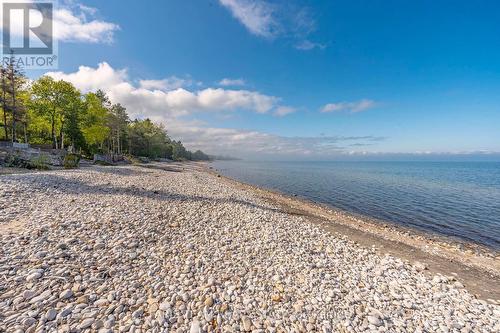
[14, 106]
[4, 106]
[53, 130]
[5, 123]
[119, 143]
[61, 135]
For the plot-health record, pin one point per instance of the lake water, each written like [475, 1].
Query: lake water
[458, 199]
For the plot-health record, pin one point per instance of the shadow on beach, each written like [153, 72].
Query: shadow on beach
[78, 187]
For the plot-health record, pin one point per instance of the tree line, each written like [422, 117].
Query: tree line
[54, 112]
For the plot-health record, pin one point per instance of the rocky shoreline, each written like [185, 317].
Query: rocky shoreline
[475, 265]
[177, 249]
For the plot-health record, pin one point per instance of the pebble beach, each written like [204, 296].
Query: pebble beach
[163, 249]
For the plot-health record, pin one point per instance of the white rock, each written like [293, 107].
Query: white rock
[195, 326]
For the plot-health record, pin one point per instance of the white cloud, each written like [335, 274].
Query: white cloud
[256, 15]
[284, 110]
[353, 107]
[170, 83]
[252, 144]
[147, 99]
[231, 82]
[72, 26]
[74, 22]
[267, 19]
[233, 99]
[178, 108]
[307, 45]
[90, 79]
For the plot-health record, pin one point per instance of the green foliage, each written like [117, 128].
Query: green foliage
[95, 129]
[118, 123]
[15, 161]
[148, 139]
[58, 114]
[13, 95]
[179, 153]
[200, 156]
[60, 104]
[71, 161]
[41, 162]
[38, 128]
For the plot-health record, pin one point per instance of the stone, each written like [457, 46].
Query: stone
[247, 323]
[144, 249]
[82, 299]
[164, 306]
[28, 294]
[66, 311]
[51, 314]
[101, 302]
[68, 293]
[209, 301]
[86, 323]
[195, 326]
[137, 313]
[42, 297]
[34, 276]
[419, 266]
[374, 320]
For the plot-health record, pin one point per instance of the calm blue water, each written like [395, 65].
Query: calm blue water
[458, 199]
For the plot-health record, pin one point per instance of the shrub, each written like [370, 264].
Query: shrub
[41, 162]
[71, 161]
[15, 161]
[132, 159]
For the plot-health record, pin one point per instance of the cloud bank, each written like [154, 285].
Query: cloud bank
[178, 107]
[164, 97]
[255, 144]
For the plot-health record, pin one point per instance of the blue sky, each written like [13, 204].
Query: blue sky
[297, 79]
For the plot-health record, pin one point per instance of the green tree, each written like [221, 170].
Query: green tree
[117, 122]
[56, 101]
[76, 112]
[60, 114]
[12, 89]
[200, 156]
[148, 139]
[179, 152]
[94, 123]
[71, 108]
